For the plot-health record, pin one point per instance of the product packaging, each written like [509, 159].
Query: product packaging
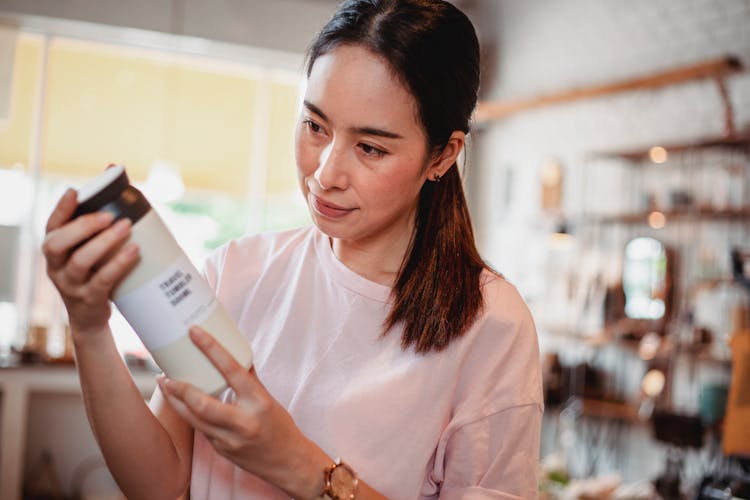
[164, 294]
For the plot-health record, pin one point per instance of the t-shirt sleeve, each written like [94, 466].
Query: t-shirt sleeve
[213, 265]
[495, 457]
[490, 448]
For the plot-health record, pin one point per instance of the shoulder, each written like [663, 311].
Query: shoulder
[255, 265]
[250, 255]
[501, 364]
[256, 249]
[504, 307]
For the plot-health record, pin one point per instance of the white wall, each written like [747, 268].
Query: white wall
[286, 25]
[536, 47]
[542, 46]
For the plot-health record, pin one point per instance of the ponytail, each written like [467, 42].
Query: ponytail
[437, 294]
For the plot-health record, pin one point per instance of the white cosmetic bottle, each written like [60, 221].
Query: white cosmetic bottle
[164, 294]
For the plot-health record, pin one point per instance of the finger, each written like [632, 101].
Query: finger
[106, 278]
[94, 252]
[60, 241]
[227, 434]
[221, 439]
[188, 416]
[205, 413]
[63, 211]
[234, 373]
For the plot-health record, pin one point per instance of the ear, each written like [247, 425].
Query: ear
[445, 158]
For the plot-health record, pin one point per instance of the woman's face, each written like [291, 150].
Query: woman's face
[361, 151]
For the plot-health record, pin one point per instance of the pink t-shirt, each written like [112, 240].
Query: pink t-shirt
[461, 423]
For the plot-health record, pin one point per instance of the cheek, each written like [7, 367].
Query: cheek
[304, 156]
[300, 156]
[400, 188]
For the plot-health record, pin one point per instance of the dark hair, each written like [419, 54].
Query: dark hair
[432, 48]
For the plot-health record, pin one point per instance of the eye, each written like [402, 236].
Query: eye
[371, 150]
[313, 127]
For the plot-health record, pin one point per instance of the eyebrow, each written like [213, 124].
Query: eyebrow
[360, 130]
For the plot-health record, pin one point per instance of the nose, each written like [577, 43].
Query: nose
[331, 172]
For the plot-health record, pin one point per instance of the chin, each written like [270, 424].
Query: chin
[332, 229]
[328, 228]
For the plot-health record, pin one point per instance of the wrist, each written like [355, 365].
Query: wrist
[321, 477]
[303, 478]
[89, 337]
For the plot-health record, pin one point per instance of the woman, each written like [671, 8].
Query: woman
[380, 336]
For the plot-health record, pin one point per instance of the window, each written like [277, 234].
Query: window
[208, 138]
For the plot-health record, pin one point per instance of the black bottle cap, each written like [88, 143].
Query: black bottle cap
[111, 192]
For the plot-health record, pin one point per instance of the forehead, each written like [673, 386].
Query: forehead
[356, 86]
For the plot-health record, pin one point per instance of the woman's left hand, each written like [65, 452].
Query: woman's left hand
[252, 429]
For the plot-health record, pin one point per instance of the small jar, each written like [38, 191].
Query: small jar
[164, 294]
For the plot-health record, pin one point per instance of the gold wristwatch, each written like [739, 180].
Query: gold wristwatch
[339, 482]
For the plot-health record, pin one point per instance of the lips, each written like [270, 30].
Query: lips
[328, 209]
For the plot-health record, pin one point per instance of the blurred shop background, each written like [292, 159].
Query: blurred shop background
[608, 174]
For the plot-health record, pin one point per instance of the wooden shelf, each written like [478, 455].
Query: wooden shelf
[716, 69]
[610, 410]
[680, 215]
[735, 142]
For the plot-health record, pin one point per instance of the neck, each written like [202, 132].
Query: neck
[377, 259]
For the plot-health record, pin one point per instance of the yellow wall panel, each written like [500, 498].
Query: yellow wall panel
[102, 106]
[15, 132]
[108, 104]
[281, 174]
[209, 135]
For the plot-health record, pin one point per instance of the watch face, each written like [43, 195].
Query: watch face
[343, 482]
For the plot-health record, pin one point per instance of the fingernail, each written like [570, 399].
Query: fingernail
[104, 218]
[130, 249]
[122, 226]
[163, 382]
[198, 336]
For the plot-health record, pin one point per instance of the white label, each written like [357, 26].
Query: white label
[162, 310]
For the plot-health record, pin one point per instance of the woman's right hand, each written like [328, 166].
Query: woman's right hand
[86, 259]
